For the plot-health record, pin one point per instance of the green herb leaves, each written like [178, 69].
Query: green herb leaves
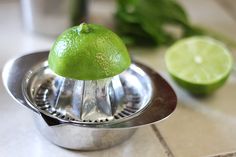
[152, 22]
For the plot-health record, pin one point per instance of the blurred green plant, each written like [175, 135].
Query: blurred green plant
[156, 23]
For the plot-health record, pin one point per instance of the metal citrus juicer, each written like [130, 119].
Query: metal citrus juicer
[88, 114]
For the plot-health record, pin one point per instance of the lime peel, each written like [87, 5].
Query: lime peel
[88, 52]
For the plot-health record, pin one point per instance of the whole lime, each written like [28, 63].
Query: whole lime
[88, 52]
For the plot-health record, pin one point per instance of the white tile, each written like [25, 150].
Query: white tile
[202, 126]
[143, 143]
[209, 14]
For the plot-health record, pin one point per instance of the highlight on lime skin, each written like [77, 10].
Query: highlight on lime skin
[201, 65]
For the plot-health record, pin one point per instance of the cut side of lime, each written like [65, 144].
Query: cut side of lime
[199, 64]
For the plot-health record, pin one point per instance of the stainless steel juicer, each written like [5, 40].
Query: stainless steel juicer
[137, 97]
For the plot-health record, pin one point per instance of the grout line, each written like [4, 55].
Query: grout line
[162, 141]
[225, 155]
[227, 8]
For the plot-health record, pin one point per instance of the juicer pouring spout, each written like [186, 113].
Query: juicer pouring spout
[51, 121]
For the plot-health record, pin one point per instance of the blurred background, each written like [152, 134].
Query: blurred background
[28, 26]
[31, 25]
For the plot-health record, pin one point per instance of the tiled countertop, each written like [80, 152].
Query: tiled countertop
[198, 127]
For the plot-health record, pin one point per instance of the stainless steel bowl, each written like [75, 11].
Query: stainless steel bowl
[152, 100]
[82, 138]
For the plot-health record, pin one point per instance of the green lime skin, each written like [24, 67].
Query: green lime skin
[88, 52]
[200, 89]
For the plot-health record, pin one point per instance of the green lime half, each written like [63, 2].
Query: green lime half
[88, 52]
[199, 64]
